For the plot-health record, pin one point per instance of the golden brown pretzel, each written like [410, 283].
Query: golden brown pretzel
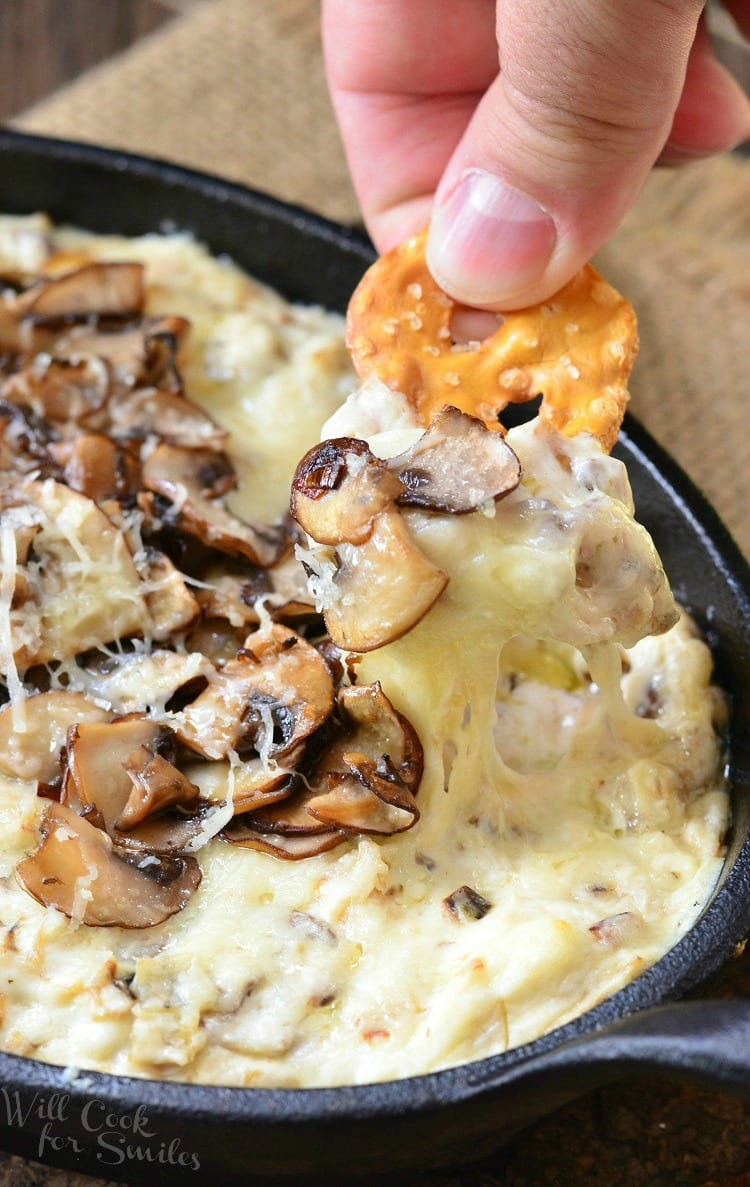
[577, 349]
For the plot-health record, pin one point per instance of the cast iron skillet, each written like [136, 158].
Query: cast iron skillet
[137, 1130]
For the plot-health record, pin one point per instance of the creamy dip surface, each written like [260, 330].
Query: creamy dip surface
[572, 802]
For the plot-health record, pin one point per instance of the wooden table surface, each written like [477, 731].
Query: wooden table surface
[647, 1134]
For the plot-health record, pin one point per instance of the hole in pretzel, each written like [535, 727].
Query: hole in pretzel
[470, 327]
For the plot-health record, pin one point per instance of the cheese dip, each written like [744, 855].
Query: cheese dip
[571, 807]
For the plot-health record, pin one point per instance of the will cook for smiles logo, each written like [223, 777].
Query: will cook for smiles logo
[116, 1138]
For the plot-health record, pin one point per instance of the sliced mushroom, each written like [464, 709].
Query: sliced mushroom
[466, 904]
[383, 588]
[345, 497]
[358, 802]
[109, 770]
[97, 754]
[363, 781]
[163, 339]
[290, 818]
[36, 311]
[253, 785]
[96, 287]
[97, 467]
[339, 488]
[169, 833]
[65, 392]
[192, 480]
[139, 353]
[232, 591]
[383, 584]
[33, 734]
[456, 466]
[77, 870]
[157, 784]
[368, 775]
[179, 473]
[165, 414]
[376, 728]
[291, 848]
[274, 694]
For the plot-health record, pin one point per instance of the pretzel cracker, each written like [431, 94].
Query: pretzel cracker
[576, 350]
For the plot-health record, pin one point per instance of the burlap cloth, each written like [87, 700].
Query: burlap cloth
[237, 87]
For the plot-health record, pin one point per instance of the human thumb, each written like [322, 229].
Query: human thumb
[561, 142]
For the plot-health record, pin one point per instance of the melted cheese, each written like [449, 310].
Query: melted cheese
[572, 785]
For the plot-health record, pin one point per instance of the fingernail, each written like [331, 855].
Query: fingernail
[488, 241]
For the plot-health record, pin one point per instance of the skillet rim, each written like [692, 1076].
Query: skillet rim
[708, 942]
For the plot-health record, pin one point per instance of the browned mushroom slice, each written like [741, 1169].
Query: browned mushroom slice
[177, 472]
[365, 779]
[214, 722]
[457, 465]
[65, 392]
[378, 730]
[95, 288]
[231, 590]
[157, 784]
[252, 784]
[171, 605]
[109, 771]
[97, 467]
[290, 818]
[172, 832]
[259, 788]
[383, 587]
[273, 695]
[77, 870]
[163, 339]
[96, 758]
[192, 480]
[84, 590]
[370, 798]
[36, 311]
[293, 679]
[339, 488]
[142, 352]
[292, 848]
[339, 664]
[32, 736]
[172, 417]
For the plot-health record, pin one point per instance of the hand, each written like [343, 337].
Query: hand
[530, 163]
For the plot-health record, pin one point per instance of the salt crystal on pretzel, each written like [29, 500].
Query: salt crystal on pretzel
[576, 350]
